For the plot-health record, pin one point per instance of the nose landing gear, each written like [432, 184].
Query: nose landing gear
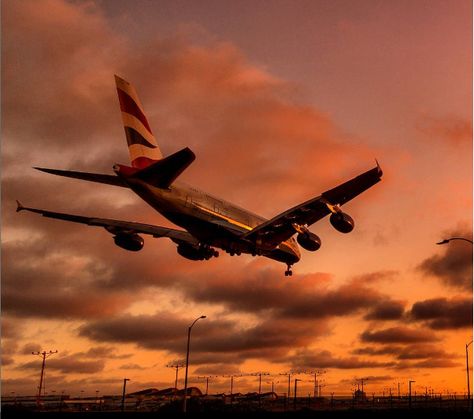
[289, 272]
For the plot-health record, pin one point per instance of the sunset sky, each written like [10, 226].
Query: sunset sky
[280, 101]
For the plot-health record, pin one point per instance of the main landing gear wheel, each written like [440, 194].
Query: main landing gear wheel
[288, 272]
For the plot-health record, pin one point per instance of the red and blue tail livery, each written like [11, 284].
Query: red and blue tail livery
[142, 144]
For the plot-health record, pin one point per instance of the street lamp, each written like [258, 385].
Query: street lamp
[467, 371]
[296, 387]
[409, 392]
[187, 363]
[454, 238]
[123, 392]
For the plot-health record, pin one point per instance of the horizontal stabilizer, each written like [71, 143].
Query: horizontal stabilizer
[163, 173]
[91, 177]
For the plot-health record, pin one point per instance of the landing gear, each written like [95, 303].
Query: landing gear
[208, 252]
[288, 272]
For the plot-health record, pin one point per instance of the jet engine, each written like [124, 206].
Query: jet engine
[309, 241]
[342, 222]
[196, 252]
[129, 241]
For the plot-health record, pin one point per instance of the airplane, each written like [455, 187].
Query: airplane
[209, 222]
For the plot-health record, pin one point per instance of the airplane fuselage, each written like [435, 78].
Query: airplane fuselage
[213, 221]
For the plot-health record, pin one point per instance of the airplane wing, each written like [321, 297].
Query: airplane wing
[118, 226]
[281, 227]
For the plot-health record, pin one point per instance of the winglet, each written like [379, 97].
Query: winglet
[379, 169]
[19, 207]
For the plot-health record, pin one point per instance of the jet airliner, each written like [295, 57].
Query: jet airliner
[209, 223]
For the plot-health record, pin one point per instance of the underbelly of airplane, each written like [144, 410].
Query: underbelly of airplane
[222, 238]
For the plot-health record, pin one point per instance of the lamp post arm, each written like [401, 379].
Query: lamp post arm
[455, 238]
[187, 363]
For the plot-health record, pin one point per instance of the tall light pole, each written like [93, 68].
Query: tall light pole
[123, 392]
[409, 392]
[187, 363]
[296, 388]
[467, 372]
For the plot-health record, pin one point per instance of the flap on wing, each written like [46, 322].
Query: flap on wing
[163, 173]
[91, 177]
[281, 228]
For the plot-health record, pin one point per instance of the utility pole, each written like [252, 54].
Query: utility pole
[44, 355]
[259, 374]
[123, 392]
[232, 384]
[176, 366]
[316, 373]
[207, 381]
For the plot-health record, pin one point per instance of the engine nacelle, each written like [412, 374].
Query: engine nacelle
[196, 253]
[127, 241]
[309, 241]
[342, 222]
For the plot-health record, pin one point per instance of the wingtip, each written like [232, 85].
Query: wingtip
[19, 206]
[379, 169]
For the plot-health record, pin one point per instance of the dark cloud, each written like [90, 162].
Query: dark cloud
[309, 298]
[7, 360]
[442, 313]
[11, 328]
[108, 352]
[29, 348]
[375, 277]
[406, 352]
[218, 369]
[454, 266]
[67, 365]
[387, 310]
[132, 367]
[398, 334]
[325, 359]
[214, 341]
[433, 363]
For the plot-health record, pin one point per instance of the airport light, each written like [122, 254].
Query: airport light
[207, 381]
[176, 366]
[44, 355]
[187, 363]
[467, 371]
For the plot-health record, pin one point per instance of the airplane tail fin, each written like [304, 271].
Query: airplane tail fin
[142, 145]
